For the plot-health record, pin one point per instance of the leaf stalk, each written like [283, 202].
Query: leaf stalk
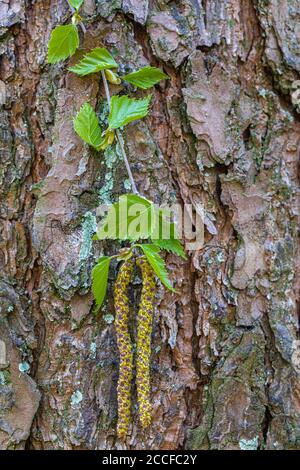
[119, 137]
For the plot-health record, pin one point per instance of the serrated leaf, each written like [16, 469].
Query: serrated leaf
[128, 219]
[158, 265]
[95, 61]
[63, 43]
[164, 233]
[76, 3]
[172, 246]
[136, 218]
[145, 77]
[86, 125]
[99, 279]
[124, 110]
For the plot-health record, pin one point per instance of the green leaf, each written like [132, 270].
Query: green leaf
[63, 43]
[86, 125]
[124, 110]
[112, 77]
[96, 60]
[164, 233]
[172, 246]
[158, 265]
[99, 279]
[128, 219]
[76, 3]
[107, 139]
[145, 77]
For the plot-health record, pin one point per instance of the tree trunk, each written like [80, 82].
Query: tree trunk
[223, 132]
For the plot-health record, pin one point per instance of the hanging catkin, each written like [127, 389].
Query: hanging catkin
[125, 348]
[144, 330]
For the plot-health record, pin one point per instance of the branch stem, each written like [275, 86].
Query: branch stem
[118, 133]
[80, 24]
[119, 137]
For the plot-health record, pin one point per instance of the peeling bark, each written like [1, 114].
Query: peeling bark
[223, 132]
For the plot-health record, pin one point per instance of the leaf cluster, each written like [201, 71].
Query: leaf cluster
[146, 227]
[123, 109]
[122, 222]
[63, 43]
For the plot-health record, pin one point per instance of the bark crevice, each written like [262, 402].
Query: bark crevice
[223, 132]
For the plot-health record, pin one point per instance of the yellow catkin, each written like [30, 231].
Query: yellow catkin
[144, 331]
[125, 348]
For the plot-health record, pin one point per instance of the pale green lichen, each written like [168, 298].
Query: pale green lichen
[105, 192]
[76, 398]
[89, 227]
[24, 367]
[111, 156]
[249, 444]
[108, 318]
[173, 338]
[93, 350]
[220, 257]
[5, 377]
[127, 184]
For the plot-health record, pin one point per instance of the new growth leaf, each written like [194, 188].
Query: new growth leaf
[158, 265]
[145, 77]
[63, 43]
[136, 218]
[95, 61]
[87, 126]
[124, 110]
[127, 219]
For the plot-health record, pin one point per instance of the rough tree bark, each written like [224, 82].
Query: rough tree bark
[223, 132]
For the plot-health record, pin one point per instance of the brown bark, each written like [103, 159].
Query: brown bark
[224, 132]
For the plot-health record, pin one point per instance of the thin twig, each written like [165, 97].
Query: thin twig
[82, 27]
[106, 88]
[119, 137]
[121, 143]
